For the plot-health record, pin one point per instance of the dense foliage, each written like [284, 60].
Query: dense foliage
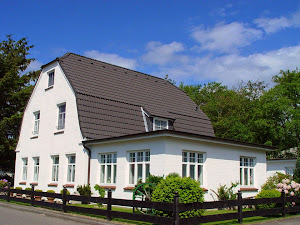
[16, 88]
[297, 171]
[189, 191]
[267, 194]
[154, 179]
[84, 190]
[272, 181]
[224, 193]
[253, 113]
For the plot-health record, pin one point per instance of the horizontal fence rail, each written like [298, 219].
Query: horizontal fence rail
[284, 205]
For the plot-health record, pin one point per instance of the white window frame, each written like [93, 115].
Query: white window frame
[193, 165]
[71, 169]
[61, 121]
[108, 168]
[139, 166]
[160, 126]
[25, 168]
[36, 126]
[51, 76]
[36, 168]
[290, 170]
[55, 168]
[247, 171]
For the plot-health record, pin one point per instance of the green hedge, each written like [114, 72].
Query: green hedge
[267, 194]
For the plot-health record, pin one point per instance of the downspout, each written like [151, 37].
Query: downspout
[89, 162]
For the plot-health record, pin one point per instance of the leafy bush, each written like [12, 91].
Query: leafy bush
[267, 194]
[50, 191]
[297, 171]
[28, 189]
[62, 192]
[8, 178]
[289, 187]
[84, 190]
[154, 179]
[272, 181]
[100, 190]
[173, 175]
[18, 188]
[38, 190]
[189, 191]
[224, 193]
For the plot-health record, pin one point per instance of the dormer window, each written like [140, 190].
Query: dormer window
[160, 124]
[51, 79]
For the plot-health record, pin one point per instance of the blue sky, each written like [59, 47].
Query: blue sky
[191, 41]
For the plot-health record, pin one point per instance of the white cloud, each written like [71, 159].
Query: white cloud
[225, 38]
[232, 68]
[35, 65]
[272, 25]
[112, 58]
[161, 54]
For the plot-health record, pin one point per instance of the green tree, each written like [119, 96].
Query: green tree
[297, 171]
[16, 88]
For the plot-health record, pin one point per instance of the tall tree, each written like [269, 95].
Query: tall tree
[16, 88]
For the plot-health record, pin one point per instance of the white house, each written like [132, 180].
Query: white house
[92, 122]
[285, 166]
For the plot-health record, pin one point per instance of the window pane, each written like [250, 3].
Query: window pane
[251, 177]
[102, 158]
[245, 161]
[184, 157]
[200, 174]
[245, 176]
[200, 158]
[241, 161]
[108, 175]
[114, 158]
[192, 157]
[102, 172]
[140, 172]
[251, 162]
[241, 176]
[163, 124]
[147, 156]
[132, 157]
[73, 173]
[184, 172]
[147, 170]
[140, 156]
[72, 159]
[115, 174]
[192, 172]
[131, 174]
[108, 158]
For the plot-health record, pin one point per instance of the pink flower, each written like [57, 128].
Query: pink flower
[293, 203]
[286, 191]
[292, 193]
[280, 190]
[297, 189]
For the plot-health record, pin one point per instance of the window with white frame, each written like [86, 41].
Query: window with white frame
[247, 170]
[108, 168]
[55, 168]
[25, 166]
[36, 123]
[192, 165]
[290, 170]
[51, 79]
[71, 168]
[61, 116]
[139, 166]
[36, 168]
[160, 124]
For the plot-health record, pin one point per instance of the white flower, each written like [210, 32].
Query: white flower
[292, 193]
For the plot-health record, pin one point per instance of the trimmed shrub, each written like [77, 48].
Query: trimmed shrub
[189, 191]
[18, 188]
[84, 190]
[272, 181]
[50, 191]
[267, 194]
[28, 189]
[62, 192]
[38, 190]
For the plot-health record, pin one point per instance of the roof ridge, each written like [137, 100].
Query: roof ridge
[78, 92]
[69, 53]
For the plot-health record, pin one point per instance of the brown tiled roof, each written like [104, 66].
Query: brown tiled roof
[110, 98]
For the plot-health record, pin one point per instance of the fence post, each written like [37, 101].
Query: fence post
[8, 192]
[176, 209]
[32, 195]
[64, 208]
[283, 201]
[109, 193]
[240, 206]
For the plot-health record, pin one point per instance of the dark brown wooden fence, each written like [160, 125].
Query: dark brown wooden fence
[284, 204]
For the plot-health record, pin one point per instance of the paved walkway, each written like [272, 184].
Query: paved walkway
[12, 214]
[295, 220]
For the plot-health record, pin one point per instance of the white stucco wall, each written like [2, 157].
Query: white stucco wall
[47, 142]
[222, 162]
[280, 166]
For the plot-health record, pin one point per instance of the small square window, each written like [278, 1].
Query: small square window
[160, 124]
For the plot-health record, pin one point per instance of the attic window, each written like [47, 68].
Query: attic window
[160, 124]
[51, 79]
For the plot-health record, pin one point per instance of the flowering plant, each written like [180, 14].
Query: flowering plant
[3, 183]
[289, 187]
